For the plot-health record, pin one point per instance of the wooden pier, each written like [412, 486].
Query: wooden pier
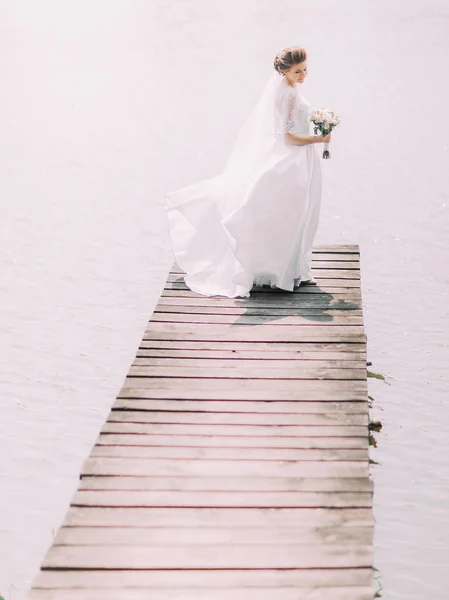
[234, 462]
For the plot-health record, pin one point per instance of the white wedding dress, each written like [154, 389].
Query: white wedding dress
[255, 223]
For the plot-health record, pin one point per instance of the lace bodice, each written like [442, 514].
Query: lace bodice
[292, 112]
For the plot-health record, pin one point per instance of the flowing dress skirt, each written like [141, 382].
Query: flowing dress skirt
[266, 239]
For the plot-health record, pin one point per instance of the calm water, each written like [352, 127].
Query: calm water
[105, 105]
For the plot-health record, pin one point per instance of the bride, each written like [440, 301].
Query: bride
[254, 224]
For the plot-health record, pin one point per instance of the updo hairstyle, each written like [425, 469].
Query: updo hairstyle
[289, 57]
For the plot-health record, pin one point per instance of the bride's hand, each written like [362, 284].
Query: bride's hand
[326, 138]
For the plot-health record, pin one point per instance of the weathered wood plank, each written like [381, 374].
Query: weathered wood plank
[183, 536]
[349, 258]
[200, 557]
[269, 406]
[116, 425]
[244, 333]
[262, 454]
[250, 330]
[344, 318]
[347, 299]
[345, 397]
[211, 499]
[236, 371]
[339, 310]
[320, 359]
[211, 441]
[279, 593]
[267, 419]
[108, 581]
[251, 484]
[267, 297]
[312, 292]
[209, 393]
[299, 348]
[318, 255]
[337, 248]
[229, 361]
[223, 468]
[218, 517]
[349, 386]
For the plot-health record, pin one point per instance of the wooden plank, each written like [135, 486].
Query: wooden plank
[269, 406]
[333, 359]
[252, 484]
[183, 536]
[108, 581]
[255, 363]
[312, 319]
[225, 468]
[299, 348]
[325, 283]
[244, 333]
[241, 372]
[337, 248]
[211, 499]
[349, 386]
[339, 310]
[217, 517]
[262, 454]
[322, 255]
[299, 388]
[279, 593]
[345, 299]
[206, 393]
[325, 289]
[335, 257]
[200, 557]
[116, 425]
[310, 332]
[247, 332]
[267, 296]
[211, 441]
[271, 419]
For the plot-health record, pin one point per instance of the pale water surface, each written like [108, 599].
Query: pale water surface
[105, 105]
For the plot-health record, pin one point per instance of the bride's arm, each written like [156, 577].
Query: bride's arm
[302, 140]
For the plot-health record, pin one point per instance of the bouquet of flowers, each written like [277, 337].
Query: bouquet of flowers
[324, 120]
